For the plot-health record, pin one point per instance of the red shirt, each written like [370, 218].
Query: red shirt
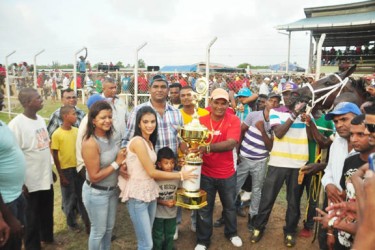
[221, 165]
[142, 84]
[2, 71]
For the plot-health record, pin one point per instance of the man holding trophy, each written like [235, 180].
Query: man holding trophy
[219, 170]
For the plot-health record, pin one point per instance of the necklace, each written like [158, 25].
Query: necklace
[221, 124]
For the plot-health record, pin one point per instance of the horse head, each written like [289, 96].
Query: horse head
[323, 92]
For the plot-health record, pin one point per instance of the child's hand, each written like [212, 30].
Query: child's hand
[170, 203]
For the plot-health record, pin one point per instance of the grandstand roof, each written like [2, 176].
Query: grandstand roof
[344, 25]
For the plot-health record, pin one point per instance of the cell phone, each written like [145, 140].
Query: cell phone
[371, 161]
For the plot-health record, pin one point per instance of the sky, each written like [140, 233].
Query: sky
[177, 32]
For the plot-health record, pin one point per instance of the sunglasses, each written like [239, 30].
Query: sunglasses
[370, 127]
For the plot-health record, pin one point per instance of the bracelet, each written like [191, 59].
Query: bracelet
[182, 177]
[115, 165]
[208, 149]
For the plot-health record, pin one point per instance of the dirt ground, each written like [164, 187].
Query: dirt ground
[272, 239]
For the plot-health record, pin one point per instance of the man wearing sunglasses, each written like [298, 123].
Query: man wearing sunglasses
[370, 122]
[68, 97]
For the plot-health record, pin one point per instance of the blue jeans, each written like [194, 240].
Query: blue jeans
[69, 196]
[101, 207]
[142, 215]
[257, 170]
[227, 192]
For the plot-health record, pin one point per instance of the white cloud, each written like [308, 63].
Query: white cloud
[177, 31]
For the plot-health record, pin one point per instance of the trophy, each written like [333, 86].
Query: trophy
[195, 135]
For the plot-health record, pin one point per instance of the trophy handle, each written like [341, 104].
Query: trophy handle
[210, 136]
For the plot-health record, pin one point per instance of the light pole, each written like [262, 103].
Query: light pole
[208, 65]
[136, 74]
[288, 57]
[35, 80]
[7, 80]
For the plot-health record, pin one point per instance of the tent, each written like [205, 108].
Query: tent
[179, 68]
[282, 67]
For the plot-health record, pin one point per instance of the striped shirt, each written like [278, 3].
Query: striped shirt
[168, 126]
[252, 145]
[291, 151]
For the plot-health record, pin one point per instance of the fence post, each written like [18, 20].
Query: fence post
[7, 80]
[208, 66]
[136, 74]
[35, 74]
[75, 74]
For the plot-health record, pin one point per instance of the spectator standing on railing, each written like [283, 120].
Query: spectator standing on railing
[82, 65]
[2, 77]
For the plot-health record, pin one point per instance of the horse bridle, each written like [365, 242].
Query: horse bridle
[331, 89]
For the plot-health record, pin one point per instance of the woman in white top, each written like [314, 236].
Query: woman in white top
[140, 189]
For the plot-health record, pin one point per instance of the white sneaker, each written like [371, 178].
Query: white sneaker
[200, 247]
[236, 241]
[245, 196]
[175, 236]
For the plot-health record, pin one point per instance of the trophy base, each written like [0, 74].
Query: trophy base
[191, 200]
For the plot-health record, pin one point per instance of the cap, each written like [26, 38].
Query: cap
[158, 78]
[343, 108]
[267, 79]
[184, 75]
[220, 93]
[93, 99]
[273, 94]
[289, 86]
[244, 92]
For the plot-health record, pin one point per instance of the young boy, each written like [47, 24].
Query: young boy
[243, 109]
[165, 221]
[64, 155]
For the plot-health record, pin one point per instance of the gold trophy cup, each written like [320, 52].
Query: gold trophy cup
[195, 135]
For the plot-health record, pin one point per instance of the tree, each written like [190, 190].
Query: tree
[141, 63]
[120, 64]
[244, 65]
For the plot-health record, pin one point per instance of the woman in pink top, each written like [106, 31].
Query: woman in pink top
[140, 189]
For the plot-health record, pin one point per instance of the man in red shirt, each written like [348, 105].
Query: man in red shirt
[220, 177]
[2, 76]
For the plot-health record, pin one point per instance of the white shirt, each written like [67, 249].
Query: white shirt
[337, 155]
[66, 83]
[81, 132]
[32, 137]
[263, 89]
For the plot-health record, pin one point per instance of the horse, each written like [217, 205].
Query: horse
[328, 91]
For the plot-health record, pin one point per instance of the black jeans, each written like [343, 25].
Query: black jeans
[311, 182]
[81, 178]
[274, 180]
[39, 218]
[227, 192]
[17, 208]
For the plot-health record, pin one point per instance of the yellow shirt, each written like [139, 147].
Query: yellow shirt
[65, 142]
[188, 118]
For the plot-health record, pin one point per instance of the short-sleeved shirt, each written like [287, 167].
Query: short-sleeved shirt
[188, 118]
[65, 142]
[167, 191]
[55, 120]
[291, 151]
[12, 165]
[326, 128]
[252, 145]
[221, 165]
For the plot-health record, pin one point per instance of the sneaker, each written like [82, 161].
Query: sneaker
[245, 196]
[175, 236]
[200, 247]
[236, 241]
[219, 222]
[305, 233]
[289, 240]
[256, 236]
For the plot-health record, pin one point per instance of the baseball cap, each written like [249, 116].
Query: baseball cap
[93, 99]
[267, 79]
[289, 86]
[273, 94]
[343, 108]
[244, 92]
[158, 78]
[220, 93]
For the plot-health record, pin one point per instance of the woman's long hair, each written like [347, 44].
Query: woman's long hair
[141, 112]
[93, 112]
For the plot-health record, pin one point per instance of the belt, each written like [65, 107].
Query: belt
[99, 187]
